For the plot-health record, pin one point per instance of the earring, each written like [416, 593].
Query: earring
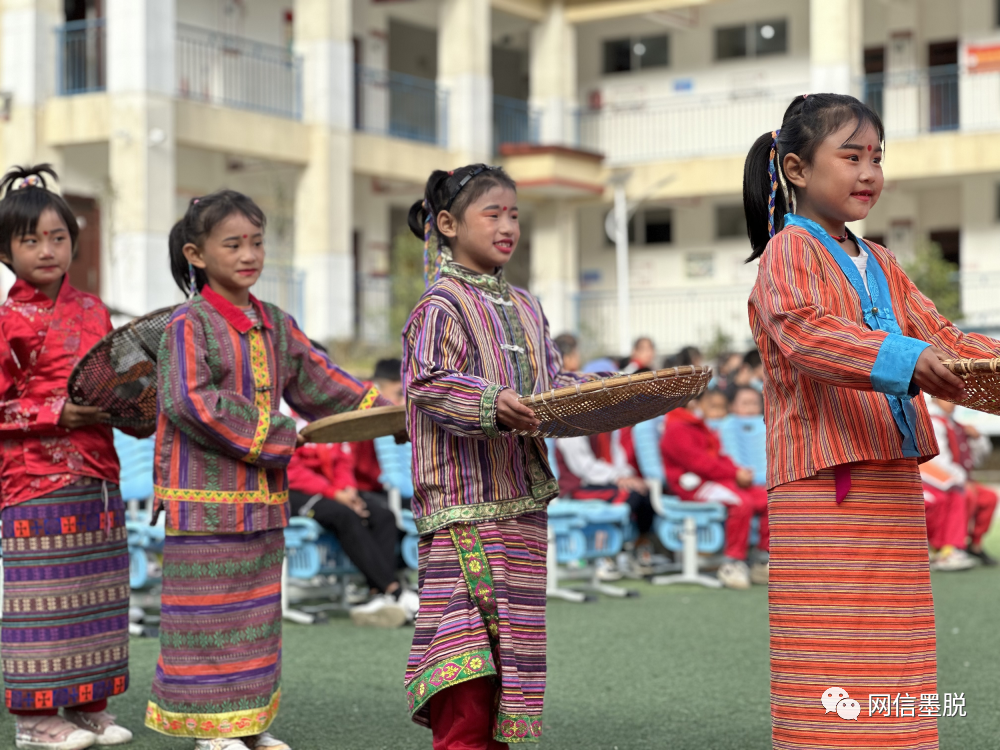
[194, 280]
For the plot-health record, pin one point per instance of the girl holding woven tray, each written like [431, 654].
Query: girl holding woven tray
[847, 343]
[66, 583]
[473, 345]
[222, 447]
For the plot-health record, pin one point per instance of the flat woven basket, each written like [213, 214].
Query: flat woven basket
[982, 383]
[119, 373]
[613, 403]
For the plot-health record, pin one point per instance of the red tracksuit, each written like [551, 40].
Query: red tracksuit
[698, 470]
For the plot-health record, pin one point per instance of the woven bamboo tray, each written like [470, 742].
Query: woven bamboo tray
[613, 403]
[357, 426]
[118, 374]
[982, 383]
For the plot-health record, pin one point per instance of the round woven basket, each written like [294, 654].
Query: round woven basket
[982, 383]
[357, 426]
[613, 403]
[119, 373]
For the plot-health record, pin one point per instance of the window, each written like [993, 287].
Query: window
[636, 53]
[659, 226]
[751, 40]
[730, 222]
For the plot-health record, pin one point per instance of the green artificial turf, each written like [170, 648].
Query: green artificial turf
[680, 668]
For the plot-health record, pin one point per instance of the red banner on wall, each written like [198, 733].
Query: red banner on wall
[983, 58]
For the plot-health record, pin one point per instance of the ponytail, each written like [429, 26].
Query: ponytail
[810, 118]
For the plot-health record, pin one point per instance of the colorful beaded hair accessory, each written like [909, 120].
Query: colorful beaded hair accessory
[30, 181]
[772, 173]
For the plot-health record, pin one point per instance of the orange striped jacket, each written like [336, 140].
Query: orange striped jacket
[820, 404]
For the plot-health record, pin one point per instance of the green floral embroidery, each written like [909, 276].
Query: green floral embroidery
[227, 568]
[479, 579]
[518, 728]
[219, 638]
[444, 674]
[477, 512]
[488, 411]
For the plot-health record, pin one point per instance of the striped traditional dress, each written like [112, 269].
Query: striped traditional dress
[851, 612]
[221, 451]
[480, 495]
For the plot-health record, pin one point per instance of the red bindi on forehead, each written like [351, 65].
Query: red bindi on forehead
[246, 235]
[869, 147]
[45, 233]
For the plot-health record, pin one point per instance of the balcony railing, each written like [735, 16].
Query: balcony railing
[934, 99]
[400, 106]
[234, 71]
[980, 301]
[673, 318]
[81, 57]
[283, 285]
[514, 121]
[682, 126]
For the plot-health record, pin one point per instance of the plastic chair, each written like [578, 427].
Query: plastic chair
[136, 478]
[685, 527]
[396, 463]
[744, 439]
[411, 542]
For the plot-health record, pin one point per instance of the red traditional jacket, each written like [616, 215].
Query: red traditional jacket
[821, 406]
[321, 469]
[222, 445]
[41, 340]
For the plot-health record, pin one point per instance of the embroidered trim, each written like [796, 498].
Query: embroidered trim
[479, 578]
[210, 726]
[488, 410]
[477, 512]
[445, 674]
[262, 398]
[172, 494]
[26, 699]
[492, 283]
[369, 399]
[518, 728]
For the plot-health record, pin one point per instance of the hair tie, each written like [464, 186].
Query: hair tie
[29, 181]
[430, 272]
[195, 201]
[771, 172]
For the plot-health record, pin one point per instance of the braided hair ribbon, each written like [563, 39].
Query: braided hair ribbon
[772, 173]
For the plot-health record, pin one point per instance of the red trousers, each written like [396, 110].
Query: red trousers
[462, 717]
[87, 708]
[981, 505]
[742, 504]
[947, 517]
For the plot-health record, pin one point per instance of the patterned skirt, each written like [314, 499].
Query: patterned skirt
[482, 614]
[852, 618]
[219, 671]
[65, 598]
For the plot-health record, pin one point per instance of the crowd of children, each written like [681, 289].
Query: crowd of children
[236, 377]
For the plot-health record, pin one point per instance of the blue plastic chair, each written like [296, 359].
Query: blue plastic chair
[136, 458]
[396, 463]
[744, 439]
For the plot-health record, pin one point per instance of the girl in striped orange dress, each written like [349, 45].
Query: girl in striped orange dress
[847, 342]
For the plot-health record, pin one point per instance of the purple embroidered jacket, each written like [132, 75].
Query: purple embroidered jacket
[470, 337]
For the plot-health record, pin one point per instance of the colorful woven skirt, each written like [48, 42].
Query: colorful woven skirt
[852, 618]
[219, 671]
[65, 598]
[482, 614]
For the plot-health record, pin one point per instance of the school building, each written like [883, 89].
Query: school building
[331, 113]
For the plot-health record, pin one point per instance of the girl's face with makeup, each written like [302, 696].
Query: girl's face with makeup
[42, 257]
[488, 233]
[232, 257]
[842, 182]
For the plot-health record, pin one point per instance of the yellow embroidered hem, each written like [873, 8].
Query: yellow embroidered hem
[172, 494]
[243, 723]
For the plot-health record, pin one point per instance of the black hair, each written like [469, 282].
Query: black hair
[808, 120]
[713, 392]
[688, 355]
[319, 347]
[752, 359]
[566, 343]
[26, 196]
[738, 389]
[390, 370]
[453, 192]
[641, 339]
[202, 216]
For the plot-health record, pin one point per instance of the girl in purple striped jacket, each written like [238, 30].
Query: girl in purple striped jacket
[472, 346]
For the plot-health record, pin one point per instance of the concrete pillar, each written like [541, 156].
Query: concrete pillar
[553, 77]
[464, 71]
[555, 263]
[324, 200]
[836, 45]
[141, 152]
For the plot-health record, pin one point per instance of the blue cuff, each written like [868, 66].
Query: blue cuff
[895, 363]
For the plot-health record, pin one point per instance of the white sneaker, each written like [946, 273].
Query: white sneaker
[952, 560]
[265, 740]
[102, 724]
[734, 574]
[221, 743]
[410, 601]
[381, 612]
[760, 572]
[606, 570]
[50, 733]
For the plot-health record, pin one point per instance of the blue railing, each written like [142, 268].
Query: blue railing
[928, 100]
[234, 71]
[514, 121]
[283, 285]
[81, 57]
[400, 106]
